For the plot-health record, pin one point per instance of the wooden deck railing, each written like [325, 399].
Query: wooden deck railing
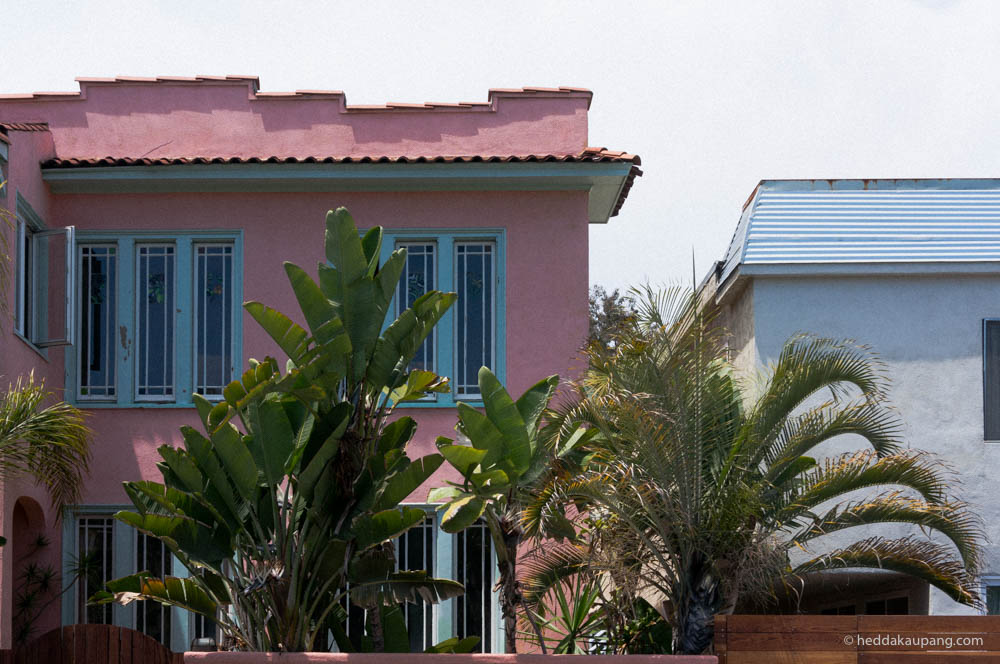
[92, 644]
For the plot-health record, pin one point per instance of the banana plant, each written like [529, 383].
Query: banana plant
[501, 471]
[291, 493]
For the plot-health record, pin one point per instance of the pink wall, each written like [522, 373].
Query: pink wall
[18, 358]
[227, 118]
[546, 251]
[546, 278]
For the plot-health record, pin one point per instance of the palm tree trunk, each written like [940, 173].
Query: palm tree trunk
[694, 613]
[510, 592]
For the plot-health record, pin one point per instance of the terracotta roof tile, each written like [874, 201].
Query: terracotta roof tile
[24, 126]
[589, 154]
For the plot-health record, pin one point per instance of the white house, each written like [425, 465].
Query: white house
[911, 268]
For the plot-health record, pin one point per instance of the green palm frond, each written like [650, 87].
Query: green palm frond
[808, 365]
[48, 443]
[952, 519]
[848, 472]
[800, 434]
[550, 566]
[931, 562]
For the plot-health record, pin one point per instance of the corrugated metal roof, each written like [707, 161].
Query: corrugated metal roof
[868, 221]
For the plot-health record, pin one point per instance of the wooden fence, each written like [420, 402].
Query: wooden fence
[857, 639]
[92, 644]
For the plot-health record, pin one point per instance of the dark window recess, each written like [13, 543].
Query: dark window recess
[474, 569]
[845, 610]
[896, 606]
[993, 600]
[991, 379]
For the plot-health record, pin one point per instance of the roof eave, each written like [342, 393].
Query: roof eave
[607, 182]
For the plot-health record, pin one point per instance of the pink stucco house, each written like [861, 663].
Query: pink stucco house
[149, 209]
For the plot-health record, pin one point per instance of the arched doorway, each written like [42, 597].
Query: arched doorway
[36, 572]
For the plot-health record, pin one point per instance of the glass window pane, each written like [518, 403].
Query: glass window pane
[213, 318]
[25, 280]
[152, 618]
[155, 312]
[418, 277]
[991, 379]
[474, 569]
[993, 600]
[415, 551]
[94, 551]
[474, 322]
[98, 304]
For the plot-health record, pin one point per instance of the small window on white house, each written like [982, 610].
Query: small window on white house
[95, 547]
[475, 275]
[98, 306]
[155, 309]
[213, 318]
[991, 379]
[993, 599]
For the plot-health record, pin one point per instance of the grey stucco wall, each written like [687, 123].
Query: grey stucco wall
[928, 329]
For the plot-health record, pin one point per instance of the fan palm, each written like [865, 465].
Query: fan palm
[48, 443]
[713, 491]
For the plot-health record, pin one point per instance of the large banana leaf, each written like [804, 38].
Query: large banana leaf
[183, 592]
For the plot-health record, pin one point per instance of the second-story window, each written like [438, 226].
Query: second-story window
[418, 277]
[98, 308]
[474, 324]
[155, 293]
[158, 319]
[213, 300]
[470, 335]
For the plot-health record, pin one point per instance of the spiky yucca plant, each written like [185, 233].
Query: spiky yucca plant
[710, 488]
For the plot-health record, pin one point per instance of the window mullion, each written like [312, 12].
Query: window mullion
[444, 568]
[445, 352]
[184, 322]
[125, 334]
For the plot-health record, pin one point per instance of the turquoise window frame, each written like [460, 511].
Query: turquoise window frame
[184, 322]
[123, 553]
[444, 340]
[26, 221]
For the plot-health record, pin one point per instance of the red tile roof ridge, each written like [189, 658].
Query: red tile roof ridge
[110, 160]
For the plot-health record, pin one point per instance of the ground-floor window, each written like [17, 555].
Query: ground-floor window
[113, 549]
[991, 595]
[95, 558]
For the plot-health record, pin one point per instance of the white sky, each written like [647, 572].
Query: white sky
[713, 96]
